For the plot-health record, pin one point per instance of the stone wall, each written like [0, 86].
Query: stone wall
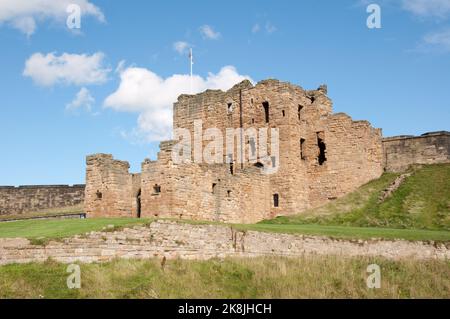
[203, 192]
[402, 151]
[353, 152]
[177, 240]
[26, 199]
[354, 156]
[111, 191]
[322, 156]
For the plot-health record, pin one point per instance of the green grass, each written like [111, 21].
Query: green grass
[40, 231]
[54, 229]
[421, 202]
[265, 277]
[349, 232]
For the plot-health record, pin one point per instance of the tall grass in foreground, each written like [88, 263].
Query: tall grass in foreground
[266, 277]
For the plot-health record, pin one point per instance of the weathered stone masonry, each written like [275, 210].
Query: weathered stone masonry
[177, 240]
[402, 151]
[323, 156]
[111, 191]
[24, 199]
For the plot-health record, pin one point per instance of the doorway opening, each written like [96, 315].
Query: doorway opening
[138, 204]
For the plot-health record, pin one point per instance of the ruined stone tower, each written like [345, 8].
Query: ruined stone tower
[322, 156]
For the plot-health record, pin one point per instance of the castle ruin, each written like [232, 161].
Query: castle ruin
[322, 156]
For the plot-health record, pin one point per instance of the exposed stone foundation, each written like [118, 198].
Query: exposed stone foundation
[177, 240]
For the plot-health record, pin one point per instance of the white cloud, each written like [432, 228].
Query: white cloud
[24, 14]
[428, 8]
[83, 99]
[270, 28]
[78, 69]
[181, 47]
[209, 33]
[439, 40]
[152, 96]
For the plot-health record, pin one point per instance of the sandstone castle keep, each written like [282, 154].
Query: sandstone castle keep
[322, 156]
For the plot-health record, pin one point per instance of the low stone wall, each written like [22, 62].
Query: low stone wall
[178, 240]
[56, 216]
[401, 152]
[23, 199]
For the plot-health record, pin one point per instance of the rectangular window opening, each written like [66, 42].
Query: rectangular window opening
[266, 111]
[276, 200]
[157, 189]
[230, 108]
[322, 158]
[302, 148]
[299, 111]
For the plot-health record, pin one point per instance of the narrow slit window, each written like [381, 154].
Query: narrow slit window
[299, 111]
[266, 111]
[302, 148]
[276, 200]
[157, 189]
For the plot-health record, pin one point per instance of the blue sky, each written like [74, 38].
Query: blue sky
[397, 77]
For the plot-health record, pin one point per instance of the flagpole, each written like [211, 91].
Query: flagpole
[192, 63]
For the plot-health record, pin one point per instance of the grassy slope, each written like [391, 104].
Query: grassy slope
[349, 232]
[61, 228]
[269, 277]
[422, 202]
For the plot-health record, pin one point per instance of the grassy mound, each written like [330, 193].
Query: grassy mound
[421, 202]
[269, 277]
